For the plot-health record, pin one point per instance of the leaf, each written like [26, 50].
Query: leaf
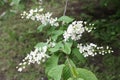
[16, 2]
[51, 62]
[78, 55]
[50, 30]
[56, 72]
[56, 34]
[66, 72]
[41, 44]
[73, 68]
[65, 19]
[86, 75]
[70, 70]
[40, 28]
[75, 79]
[57, 47]
[67, 47]
[54, 49]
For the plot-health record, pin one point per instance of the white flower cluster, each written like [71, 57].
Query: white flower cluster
[92, 49]
[37, 56]
[74, 31]
[89, 29]
[36, 14]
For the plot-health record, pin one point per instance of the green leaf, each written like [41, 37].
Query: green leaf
[75, 79]
[51, 62]
[16, 2]
[56, 34]
[66, 72]
[70, 70]
[41, 44]
[78, 55]
[56, 72]
[40, 28]
[67, 47]
[50, 30]
[65, 19]
[85, 74]
[54, 49]
[57, 47]
[73, 68]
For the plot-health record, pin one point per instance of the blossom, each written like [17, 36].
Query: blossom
[38, 15]
[37, 56]
[90, 28]
[74, 31]
[92, 49]
[19, 69]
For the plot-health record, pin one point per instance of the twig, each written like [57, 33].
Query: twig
[65, 7]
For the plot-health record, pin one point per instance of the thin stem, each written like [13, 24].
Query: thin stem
[65, 7]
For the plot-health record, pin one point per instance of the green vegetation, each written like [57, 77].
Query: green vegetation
[19, 36]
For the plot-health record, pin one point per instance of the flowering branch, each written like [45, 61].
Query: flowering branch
[62, 39]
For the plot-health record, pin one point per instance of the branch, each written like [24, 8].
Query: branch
[65, 7]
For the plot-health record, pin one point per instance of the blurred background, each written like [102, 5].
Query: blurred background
[19, 36]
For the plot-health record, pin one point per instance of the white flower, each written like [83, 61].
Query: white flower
[92, 49]
[37, 56]
[40, 10]
[89, 29]
[19, 69]
[66, 35]
[36, 14]
[40, 1]
[94, 45]
[48, 15]
[74, 31]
